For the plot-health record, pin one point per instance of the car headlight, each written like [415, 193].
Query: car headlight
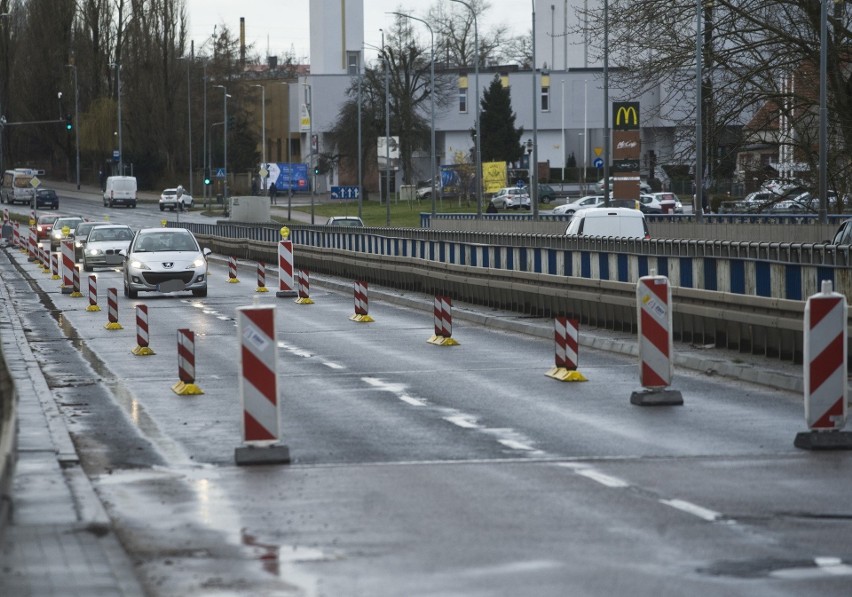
[78, 244]
[93, 252]
[138, 265]
[199, 262]
[57, 234]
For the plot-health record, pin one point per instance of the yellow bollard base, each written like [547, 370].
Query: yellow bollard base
[304, 301]
[45, 270]
[142, 351]
[442, 341]
[182, 388]
[55, 277]
[563, 374]
[76, 294]
[261, 289]
[362, 318]
[93, 308]
[113, 325]
[233, 281]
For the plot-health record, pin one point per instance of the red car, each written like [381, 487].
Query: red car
[44, 225]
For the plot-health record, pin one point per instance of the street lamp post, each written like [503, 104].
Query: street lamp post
[263, 131]
[432, 98]
[76, 121]
[225, 140]
[289, 167]
[534, 164]
[205, 154]
[698, 205]
[118, 94]
[562, 106]
[188, 118]
[478, 157]
[308, 98]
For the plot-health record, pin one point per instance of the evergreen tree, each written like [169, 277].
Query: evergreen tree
[501, 141]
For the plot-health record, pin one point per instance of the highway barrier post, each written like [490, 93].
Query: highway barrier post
[142, 348]
[93, 294]
[443, 316]
[362, 305]
[186, 364]
[566, 340]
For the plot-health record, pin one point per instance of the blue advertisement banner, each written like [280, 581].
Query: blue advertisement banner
[288, 176]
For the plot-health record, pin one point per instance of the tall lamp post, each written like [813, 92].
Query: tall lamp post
[76, 121]
[432, 98]
[118, 94]
[534, 164]
[386, 64]
[698, 205]
[225, 139]
[562, 106]
[189, 118]
[478, 157]
[263, 129]
[289, 167]
[308, 94]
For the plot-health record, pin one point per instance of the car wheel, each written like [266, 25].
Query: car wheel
[110, 203]
[87, 268]
[162, 208]
[129, 292]
[180, 206]
[200, 292]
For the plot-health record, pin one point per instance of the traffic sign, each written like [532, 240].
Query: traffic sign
[520, 183]
[220, 173]
[598, 163]
[598, 151]
[344, 192]
[115, 155]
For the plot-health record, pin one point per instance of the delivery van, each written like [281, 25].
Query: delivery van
[120, 190]
[621, 222]
[17, 186]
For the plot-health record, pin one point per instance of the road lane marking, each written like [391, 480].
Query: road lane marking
[462, 420]
[602, 478]
[695, 510]
[331, 365]
[515, 445]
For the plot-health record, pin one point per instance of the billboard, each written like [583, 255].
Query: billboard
[493, 176]
[288, 176]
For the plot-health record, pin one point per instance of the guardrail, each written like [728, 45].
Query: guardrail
[746, 296]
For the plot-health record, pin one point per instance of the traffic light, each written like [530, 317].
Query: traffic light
[69, 123]
[316, 169]
[207, 180]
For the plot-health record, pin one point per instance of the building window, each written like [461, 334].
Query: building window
[463, 100]
[353, 60]
[545, 99]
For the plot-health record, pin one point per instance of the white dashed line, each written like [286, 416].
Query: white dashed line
[602, 478]
[515, 445]
[695, 510]
[331, 365]
[463, 421]
[412, 401]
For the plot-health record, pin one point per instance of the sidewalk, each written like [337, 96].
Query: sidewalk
[59, 540]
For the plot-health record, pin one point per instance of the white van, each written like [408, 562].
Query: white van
[17, 187]
[120, 190]
[621, 222]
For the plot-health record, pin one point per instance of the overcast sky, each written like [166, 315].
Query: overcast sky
[283, 26]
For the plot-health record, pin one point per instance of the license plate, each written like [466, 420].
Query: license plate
[171, 286]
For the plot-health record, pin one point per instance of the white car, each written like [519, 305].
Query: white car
[582, 203]
[511, 198]
[165, 260]
[618, 222]
[175, 199]
[104, 244]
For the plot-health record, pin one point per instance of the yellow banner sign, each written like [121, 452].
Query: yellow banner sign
[493, 176]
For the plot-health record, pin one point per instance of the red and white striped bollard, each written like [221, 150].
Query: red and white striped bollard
[69, 264]
[186, 364]
[362, 305]
[566, 340]
[286, 282]
[112, 310]
[232, 270]
[261, 277]
[443, 316]
[93, 294]
[303, 278]
[259, 388]
[54, 266]
[654, 314]
[825, 357]
[142, 348]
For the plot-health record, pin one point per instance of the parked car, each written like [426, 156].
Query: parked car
[79, 234]
[44, 225]
[669, 202]
[175, 199]
[104, 245]
[165, 260]
[582, 203]
[648, 204]
[843, 236]
[120, 190]
[546, 193]
[46, 198]
[63, 227]
[511, 198]
[621, 222]
[352, 221]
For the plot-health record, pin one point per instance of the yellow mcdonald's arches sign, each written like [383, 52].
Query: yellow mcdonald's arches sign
[625, 116]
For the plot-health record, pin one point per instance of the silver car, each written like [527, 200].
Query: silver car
[104, 245]
[578, 204]
[511, 198]
[165, 260]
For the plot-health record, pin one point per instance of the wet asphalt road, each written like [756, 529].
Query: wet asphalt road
[424, 470]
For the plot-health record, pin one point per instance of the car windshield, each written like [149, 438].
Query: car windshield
[69, 222]
[165, 241]
[109, 234]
